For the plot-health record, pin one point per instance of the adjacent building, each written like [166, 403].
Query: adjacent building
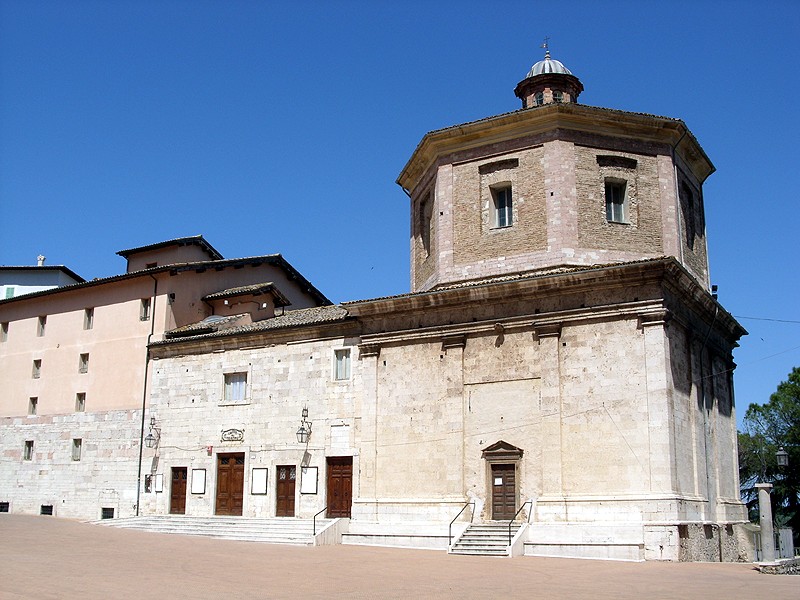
[74, 369]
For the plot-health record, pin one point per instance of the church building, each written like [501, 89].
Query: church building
[560, 369]
[558, 381]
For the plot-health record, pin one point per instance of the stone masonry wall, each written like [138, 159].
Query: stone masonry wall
[104, 477]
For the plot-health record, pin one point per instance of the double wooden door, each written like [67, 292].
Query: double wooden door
[230, 484]
[286, 476]
[504, 491]
[177, 491]
[340, 486]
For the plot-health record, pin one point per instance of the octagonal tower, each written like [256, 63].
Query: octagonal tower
[554, 184]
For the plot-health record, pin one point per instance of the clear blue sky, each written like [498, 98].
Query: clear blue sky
[281, 127]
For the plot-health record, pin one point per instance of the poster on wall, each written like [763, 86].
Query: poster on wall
[258, 483]
[159, 482]
[198, 481]
[308, 480]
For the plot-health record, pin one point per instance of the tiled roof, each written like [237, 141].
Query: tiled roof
[273, 259]
[251, 290]
[510, 277]
[182, 241]
[207, 325]
[292, 318]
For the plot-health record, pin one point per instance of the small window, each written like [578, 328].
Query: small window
[106, 513]
[689, 212]
[37, 368]
[88, 318]
[3, 331]
[83, 363]
[33, 403]
[503, 208]
[9, 292]
[76, 448]
[558, 96]
[341, 370]
[235, 387]
[615, 201]
[40, 326]
[4, 506]
[27, 453]
[46, 509]
[144, 310]
[538, 98]
[80, 402]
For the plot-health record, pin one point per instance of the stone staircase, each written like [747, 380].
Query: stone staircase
[485, 539]
[271, 531]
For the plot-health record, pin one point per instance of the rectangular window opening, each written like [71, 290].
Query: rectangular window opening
[77, 443]
[615, 201]
[33, 403]
[235, 387]
[27, 453]
[46, 509]
[37, 368]
[83, 363]
[144, 310]
[106, 513]
[88, 318]
[342, 364]
[40, 326]
[80, 402]
[503, 207]
[4, 506]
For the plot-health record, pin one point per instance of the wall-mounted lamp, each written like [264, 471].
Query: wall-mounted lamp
[304, 433]
[153, 436]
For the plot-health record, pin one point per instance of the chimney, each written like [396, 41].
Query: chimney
[40, 260]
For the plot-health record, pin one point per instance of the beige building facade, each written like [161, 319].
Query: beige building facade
[74, 368]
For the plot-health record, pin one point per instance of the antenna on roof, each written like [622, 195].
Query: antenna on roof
[40, 260]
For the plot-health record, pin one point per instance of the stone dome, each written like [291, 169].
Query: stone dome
[548, 65]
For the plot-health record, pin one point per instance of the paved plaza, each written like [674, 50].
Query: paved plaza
[44, 557]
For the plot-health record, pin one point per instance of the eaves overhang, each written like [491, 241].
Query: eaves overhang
[271, 259]
[552, 118]
[665, 270]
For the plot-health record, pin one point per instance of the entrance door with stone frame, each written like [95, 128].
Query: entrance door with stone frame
[285, 479]
[177, 491]
[502, 461]
[230, 484]
[339, 487]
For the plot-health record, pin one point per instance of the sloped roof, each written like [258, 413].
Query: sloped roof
[255, 289]
[290, 319]
[198, 240]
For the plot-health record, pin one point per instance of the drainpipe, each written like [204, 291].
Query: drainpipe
[144, 392]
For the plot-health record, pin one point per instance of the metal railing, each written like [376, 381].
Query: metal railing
[450, 528]
[514, 518]
[314, 520]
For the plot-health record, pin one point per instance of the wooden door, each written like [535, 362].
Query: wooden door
[504, 492]
[286, 477]
[230, 484]
[177, 491]
[340, 486]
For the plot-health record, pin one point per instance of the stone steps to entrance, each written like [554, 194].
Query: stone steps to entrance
[272, 531]
[485, 539]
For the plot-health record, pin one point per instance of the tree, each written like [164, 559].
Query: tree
[767, 428]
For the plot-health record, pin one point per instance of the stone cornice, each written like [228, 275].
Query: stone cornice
[550, 118]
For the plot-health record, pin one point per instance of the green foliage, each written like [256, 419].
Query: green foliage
[768, 427]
